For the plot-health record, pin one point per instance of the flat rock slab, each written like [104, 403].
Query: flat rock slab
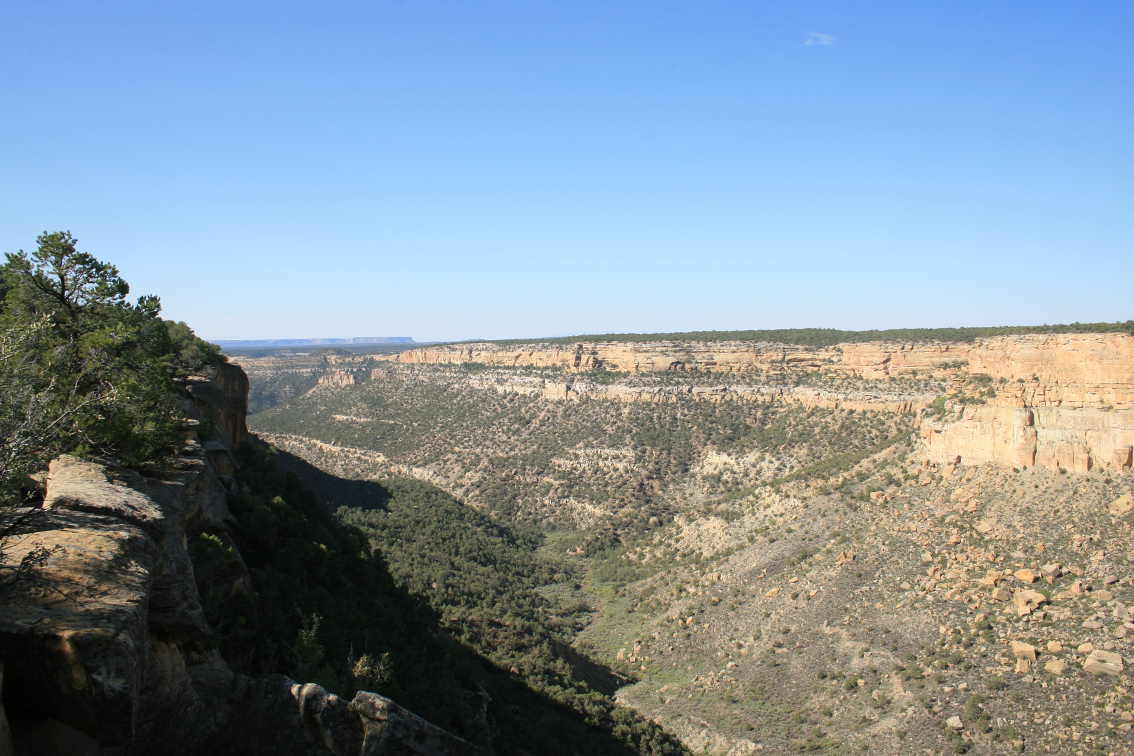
[75, 484]
[74, 630]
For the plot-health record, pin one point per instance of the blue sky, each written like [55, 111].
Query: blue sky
[509, 169]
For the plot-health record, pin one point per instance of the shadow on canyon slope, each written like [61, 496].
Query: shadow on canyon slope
[514, 717]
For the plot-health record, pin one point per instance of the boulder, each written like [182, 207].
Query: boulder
[280, 716]
[1027, 601]
[1121, 506]
[387, 728]
[1101, 662]
[1055, 667]
[81, 486]
[1052, 571]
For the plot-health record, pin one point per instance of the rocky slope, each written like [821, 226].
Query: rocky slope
[104, 641]
[952, 609]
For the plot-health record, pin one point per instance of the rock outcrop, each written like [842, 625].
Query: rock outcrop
[222, 397]
[92, 638]
[337, 379]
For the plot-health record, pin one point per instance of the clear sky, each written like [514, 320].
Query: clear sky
[446, 169]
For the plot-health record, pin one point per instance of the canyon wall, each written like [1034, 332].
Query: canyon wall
[1088, 357]
[632, 357]
[870, 360]
[1057, 401]
[1061, 402]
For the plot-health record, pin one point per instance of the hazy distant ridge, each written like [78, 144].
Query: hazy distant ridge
[236, 343]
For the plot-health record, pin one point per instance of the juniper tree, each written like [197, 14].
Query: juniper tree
[82, 368]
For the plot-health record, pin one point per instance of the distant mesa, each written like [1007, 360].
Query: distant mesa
[243, 343]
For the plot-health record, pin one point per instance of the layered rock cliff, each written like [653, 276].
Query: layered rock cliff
[634, 357]
[104, 642]
[1085, 358]
[1061, 402]
[1056, 401]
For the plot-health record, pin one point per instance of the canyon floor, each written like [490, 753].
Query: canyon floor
[784, 560]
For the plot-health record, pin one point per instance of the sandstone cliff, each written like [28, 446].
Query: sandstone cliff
[634, 357]
[222, 398]
[1056, 401]
[1095, 358]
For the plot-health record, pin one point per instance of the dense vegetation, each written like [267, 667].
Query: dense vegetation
[511, 656]
[83, 369]
[821, 337]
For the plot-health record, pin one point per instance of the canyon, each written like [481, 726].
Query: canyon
[891, 547]
[758, 547]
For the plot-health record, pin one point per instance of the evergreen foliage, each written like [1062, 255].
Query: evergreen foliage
[455, 623]
[82, 368]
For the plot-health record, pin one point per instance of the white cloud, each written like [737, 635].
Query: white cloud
[819, 39]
